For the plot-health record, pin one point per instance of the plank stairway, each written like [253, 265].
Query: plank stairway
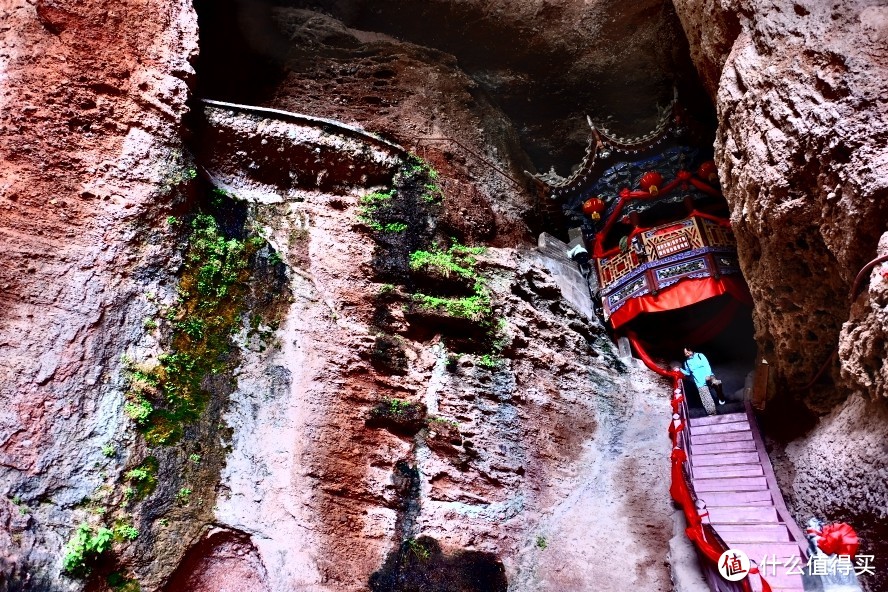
[731, 472]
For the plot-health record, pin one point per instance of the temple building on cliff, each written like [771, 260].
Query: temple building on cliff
[655, 225]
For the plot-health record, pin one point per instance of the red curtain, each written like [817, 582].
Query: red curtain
[684, 293]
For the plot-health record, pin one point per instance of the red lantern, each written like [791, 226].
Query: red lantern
[708, 171]
[838, 539]
[594, 207]
[651, 182]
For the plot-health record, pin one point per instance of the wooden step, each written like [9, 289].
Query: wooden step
[730, 484]
[783, 582]
[777, 577]
[720, 428]
[728, 458]
[702, 449]
[761, 497]
[711, 419]
[747, 470]
[734, 534]
[740, 514]
[720, 438]
[758, 550]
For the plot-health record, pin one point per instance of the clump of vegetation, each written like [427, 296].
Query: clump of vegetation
[458, 261]
[444, 421]
[476, 307]
[398, 406]
[541, 542]
[418, 549]
[183, 496]
[195, 458]
[398, 416]
[85, 547]
[372, 205]
[391, 211]
[125, 532]
[165, 398]
[488, 361]
[417, 168]
[143, 477]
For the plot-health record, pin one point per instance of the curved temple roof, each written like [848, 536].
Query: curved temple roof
[605, 147]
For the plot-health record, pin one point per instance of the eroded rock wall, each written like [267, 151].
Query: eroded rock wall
[518, 462]
[493, 459]
[91, 101]
[800, 89]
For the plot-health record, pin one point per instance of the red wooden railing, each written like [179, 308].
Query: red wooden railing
[707, 542]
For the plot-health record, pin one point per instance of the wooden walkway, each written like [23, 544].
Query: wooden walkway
[731, 473]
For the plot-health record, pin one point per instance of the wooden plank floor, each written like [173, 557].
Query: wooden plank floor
[729, 470]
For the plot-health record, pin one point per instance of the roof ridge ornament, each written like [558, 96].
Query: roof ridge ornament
[604, 143]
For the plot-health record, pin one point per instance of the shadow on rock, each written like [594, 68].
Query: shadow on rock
[420, 565]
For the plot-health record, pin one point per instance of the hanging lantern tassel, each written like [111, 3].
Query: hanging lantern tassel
[708, 171]
[838, 538]
[651, 182]
[594, 207]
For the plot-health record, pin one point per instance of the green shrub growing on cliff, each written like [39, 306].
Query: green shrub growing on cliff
[165, 398]
[475, 307]
[139, 410]
[143, 477]
[488, 361]
[417, 168]
[371, 203]
[183, 496]
[85, 547]
[125, 532]
[458, 260]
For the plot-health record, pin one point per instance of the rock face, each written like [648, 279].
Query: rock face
[357, 432]
[800, 92]
[448, 466]
[91, 101]
[545, 65]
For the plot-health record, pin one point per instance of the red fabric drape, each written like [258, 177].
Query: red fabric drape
[684, 293]
[838, 538]
[676, 403]
[766, 587]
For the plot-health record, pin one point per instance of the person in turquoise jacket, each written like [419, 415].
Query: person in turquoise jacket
[697, 367]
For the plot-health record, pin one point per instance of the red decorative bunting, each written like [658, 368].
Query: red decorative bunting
[838, 538]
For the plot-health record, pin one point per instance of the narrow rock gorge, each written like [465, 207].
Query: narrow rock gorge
[284, 307]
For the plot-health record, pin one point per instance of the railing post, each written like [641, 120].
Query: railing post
[760, 386]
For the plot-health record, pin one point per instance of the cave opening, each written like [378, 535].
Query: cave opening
[342, 59]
